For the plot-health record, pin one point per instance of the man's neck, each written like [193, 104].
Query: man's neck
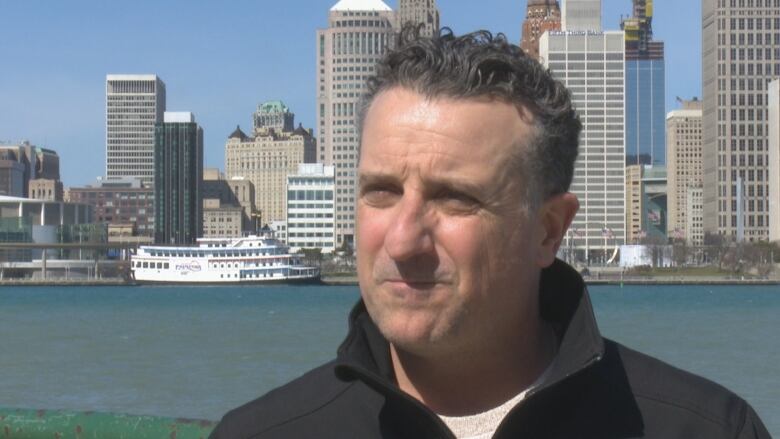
[473, 382]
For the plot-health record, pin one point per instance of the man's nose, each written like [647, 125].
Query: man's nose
[410, 233]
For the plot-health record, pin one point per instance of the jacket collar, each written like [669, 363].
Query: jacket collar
[564, 302]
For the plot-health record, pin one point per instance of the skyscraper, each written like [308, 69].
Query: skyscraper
[683, 144]
[540, 16]
[645, 88]
[590, 63]
[740, 55]
[773, 167]
[358, 34]
[178, 173]
[134, 104]
[419, 12]
[581, 15]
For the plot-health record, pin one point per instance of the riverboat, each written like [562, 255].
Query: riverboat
[250, 259]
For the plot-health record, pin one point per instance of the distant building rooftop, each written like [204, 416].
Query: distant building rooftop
[361, 5]
[178, 117]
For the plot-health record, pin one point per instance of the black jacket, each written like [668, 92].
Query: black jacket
[597, 389]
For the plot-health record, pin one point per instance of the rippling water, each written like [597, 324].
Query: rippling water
[199, 351]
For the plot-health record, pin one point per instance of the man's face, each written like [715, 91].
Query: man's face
[445, 246]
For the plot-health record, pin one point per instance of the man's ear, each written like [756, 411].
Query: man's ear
[553, 219]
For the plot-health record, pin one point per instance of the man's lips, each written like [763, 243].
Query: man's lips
[419, 283]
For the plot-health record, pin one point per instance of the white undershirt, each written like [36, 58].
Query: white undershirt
[483, 425]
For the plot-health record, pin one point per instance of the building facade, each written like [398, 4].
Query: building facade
[359, 33]
[12, 173]
[540, 16]
[265, 160]
[419, 12]
[273, 115]
[645, 88]
[134, 104]
[581, 15]
[42, 222]
[120, 202]
[740, 55]
[310, 208]
[178, 173]
[684, 162]
[45, 189]
[591, 65]
[22, 163]
[221, 220]
[634, 204]
[237, 192]
[694, 227]
[773, 166]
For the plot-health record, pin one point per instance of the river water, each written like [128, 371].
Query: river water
[198, 351]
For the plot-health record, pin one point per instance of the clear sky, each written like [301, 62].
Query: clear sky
[219, 60]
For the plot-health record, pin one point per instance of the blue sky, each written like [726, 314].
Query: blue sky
[219, 60]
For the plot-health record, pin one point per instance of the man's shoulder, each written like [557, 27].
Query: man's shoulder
[289, 404]
[670, 394]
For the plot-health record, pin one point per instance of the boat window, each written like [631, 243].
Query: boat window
[146, 265]
[165, 265]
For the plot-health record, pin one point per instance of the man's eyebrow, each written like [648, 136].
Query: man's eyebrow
[374, 178]
[435, 184]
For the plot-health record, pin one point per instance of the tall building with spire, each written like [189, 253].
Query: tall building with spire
[541, 16]
[740, 56]
[418, 12]
[645, 88]
[359, 33]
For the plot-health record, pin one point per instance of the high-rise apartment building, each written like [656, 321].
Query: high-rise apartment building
[591, 65]
[581, 15]
[773, 167]
[540, 16]
[134, 104]
[684, 158]
[359, 33]
[419, 12]
[740, 56]
[178, 173]
[265, 160]
[645, 88]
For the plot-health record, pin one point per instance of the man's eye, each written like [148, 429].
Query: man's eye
[457, 200]
[379, 195]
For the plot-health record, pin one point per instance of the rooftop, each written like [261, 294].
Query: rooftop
[360, 5]
[273, 107]
[131, 77]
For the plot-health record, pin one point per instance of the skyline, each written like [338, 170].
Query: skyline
[220, 63]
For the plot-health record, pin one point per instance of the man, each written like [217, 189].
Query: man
[468, 326]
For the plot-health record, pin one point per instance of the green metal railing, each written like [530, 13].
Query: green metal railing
[61, 424]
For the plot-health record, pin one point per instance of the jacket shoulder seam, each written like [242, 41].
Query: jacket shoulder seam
[302, 415]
